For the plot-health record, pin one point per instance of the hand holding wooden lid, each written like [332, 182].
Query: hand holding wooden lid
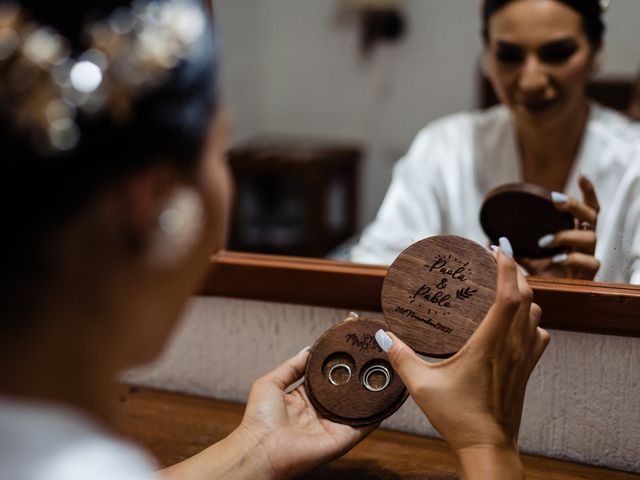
[437, 292]
[434, 296]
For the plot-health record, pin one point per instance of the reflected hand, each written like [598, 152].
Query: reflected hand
[579, 261]
[294, 438]
[474, 399]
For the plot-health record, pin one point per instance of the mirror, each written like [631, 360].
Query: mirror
[320, 123]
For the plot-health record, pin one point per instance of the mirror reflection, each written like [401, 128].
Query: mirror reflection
[363, 126]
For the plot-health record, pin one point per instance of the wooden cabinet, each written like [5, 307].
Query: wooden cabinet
[293, 196]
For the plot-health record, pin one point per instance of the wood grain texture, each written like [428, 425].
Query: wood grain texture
[523, 213]
[437, 292]
[175, 426]
[351, 342]
[575, 305]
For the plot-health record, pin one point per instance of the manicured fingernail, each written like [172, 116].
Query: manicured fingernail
[494, 248]
[558, 197]
[305, 349]
[353, 315]
[546, 240]
[559, 258]
[505, 245]
[383, 340]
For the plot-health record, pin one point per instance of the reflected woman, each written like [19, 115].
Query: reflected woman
[539, 55]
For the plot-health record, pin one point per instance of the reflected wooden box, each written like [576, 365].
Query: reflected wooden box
[293, 196]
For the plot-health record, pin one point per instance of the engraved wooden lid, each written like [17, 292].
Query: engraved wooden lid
[437, 292]
[523, 213]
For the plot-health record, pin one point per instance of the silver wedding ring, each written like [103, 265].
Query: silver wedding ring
[372, 370]
[337, 367]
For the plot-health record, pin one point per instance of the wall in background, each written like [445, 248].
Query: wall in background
[293, 67]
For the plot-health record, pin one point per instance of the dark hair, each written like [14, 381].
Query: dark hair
[590, 10]
[41, 191]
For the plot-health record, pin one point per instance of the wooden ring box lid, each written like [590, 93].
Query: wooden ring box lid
[523, 213]
[434, 296]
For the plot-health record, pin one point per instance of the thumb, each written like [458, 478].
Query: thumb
[402, 358]
[288, 372]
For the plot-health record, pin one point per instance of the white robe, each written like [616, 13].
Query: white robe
[439, 185]
[39, 441]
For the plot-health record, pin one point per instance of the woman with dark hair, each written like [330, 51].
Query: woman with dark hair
[539, 55]
[115, 193]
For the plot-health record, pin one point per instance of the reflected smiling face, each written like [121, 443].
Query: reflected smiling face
[539, 59]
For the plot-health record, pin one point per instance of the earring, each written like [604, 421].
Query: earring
[179, 228]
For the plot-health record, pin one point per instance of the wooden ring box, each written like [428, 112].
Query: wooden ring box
[523, 213]
[434, 296]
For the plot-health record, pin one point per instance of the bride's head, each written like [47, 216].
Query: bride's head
[114, 188]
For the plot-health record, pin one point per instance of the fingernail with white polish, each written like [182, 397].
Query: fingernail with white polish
[558, 197]
[560, 258]
[383, 340]
[494, 248]
[305, 349]
[546, 240]
[505, 245]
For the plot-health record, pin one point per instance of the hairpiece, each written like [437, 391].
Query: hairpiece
[43, 87]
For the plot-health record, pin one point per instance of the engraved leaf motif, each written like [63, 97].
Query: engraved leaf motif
[465, 293]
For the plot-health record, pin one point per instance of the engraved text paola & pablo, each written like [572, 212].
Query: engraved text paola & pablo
[438, 295]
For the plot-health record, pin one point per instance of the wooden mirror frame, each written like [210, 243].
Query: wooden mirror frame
[573, 305]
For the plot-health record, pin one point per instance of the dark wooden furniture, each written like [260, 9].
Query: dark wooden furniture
[175, 426]
[294, 196]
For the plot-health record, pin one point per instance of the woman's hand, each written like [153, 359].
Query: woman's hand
[280, 436]
[579, 262]
[294, 438]
[474, 399]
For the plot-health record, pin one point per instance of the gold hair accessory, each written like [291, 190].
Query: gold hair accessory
[42, 87]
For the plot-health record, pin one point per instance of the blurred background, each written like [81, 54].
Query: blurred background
[326, 95]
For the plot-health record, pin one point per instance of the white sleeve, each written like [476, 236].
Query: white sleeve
[413, 206]
[631, 240]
